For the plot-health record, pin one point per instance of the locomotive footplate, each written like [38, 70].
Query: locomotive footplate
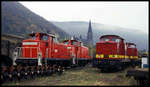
[57, 61]
[107, 63]
[26, 61]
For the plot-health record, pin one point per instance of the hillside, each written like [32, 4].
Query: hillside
[81, 28]
[18, 20]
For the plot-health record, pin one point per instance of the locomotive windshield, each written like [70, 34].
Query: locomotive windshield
[55, 40]
[116, 39]
[105, 39]
[111, 39]
[66, 42]
[33, 37]
[44, 37]
[74, 43]
[132, 46]
[81, 44]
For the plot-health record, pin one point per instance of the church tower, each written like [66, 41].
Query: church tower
[90, 37]
[90, 34]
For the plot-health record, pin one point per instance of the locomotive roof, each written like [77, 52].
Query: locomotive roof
[52, 35]
[111, 36]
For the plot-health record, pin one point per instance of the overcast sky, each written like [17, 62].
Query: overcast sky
[124, 14]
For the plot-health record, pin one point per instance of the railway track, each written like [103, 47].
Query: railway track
[19, 73]
[83, 76]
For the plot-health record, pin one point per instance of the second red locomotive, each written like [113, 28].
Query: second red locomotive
[113, 53]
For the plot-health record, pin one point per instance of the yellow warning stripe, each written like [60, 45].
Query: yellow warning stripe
[133, 57]
[116, 56]
[99, 56]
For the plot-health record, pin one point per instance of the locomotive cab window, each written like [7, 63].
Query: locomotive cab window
[55, 40]
[116, 39]
[81, 44]
[66, 43]
[33, 37]
[132, 46]
[44, 37]
[105, 39]
[74, 43]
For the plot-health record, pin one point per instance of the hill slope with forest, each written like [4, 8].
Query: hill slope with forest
[19, 20]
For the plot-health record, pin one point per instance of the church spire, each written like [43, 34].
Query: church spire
[90, 34]
[90, 28]
[90, 38]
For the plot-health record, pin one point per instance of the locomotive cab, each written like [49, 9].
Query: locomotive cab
[110, 46]
[132, 51]
[73, 46]
[38, 45]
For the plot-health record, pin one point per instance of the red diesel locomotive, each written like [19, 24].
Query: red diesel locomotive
[44, 48]
[113, 53]
[42, 54]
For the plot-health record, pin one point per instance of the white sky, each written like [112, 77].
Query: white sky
[124, 14]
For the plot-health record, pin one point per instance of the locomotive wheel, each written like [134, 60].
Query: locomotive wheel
[60, 70]
[18, 75]
[53, 69]
[27, 76]
[35, 73]
[14, 75]
[28, 73]
[50, 71]
[32, 74]
[6, 76]
[45, 72]
[2, 79]
[39, 72]
[42, 73]
[22, 76]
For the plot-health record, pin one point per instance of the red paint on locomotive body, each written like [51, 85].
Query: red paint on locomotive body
[110, 46]
[77, 49]
[114, 47]
[49, 47]
[132, 51]
[38, 42]
[113, 53]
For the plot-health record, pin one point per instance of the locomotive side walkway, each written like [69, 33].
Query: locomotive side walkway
[80, 76]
